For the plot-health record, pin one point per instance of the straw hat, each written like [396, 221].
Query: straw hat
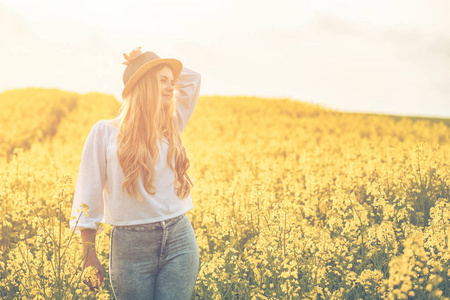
[138, 63]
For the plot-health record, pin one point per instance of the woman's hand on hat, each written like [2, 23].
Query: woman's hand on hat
[132, 55]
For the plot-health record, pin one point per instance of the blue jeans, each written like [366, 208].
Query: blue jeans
[154, 261]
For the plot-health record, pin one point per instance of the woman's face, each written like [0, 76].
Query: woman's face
[167, 82]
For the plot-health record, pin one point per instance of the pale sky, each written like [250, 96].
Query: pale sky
[385, 56]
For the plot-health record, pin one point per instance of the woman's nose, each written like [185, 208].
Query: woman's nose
[169, 87]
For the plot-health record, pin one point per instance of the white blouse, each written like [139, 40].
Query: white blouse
[100, 176]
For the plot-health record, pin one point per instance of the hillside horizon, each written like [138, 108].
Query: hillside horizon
[397, 117]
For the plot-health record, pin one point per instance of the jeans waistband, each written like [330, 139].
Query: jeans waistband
[153, 225]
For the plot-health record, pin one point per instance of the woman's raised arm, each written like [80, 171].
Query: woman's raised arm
[187, 87]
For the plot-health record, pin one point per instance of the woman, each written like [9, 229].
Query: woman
[133, 175]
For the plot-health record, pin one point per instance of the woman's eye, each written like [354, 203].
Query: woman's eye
[166, 81]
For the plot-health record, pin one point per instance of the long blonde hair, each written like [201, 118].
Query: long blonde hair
[143, 123]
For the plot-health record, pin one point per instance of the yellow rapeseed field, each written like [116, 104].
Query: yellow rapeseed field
[291, 200]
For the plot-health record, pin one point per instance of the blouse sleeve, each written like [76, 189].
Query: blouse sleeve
[187, 87]
[90, 182]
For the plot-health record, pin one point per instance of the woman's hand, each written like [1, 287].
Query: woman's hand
[88, 240]
[92, 260]
[132, 55]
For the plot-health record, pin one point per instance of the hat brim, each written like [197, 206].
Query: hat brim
[175, 64]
